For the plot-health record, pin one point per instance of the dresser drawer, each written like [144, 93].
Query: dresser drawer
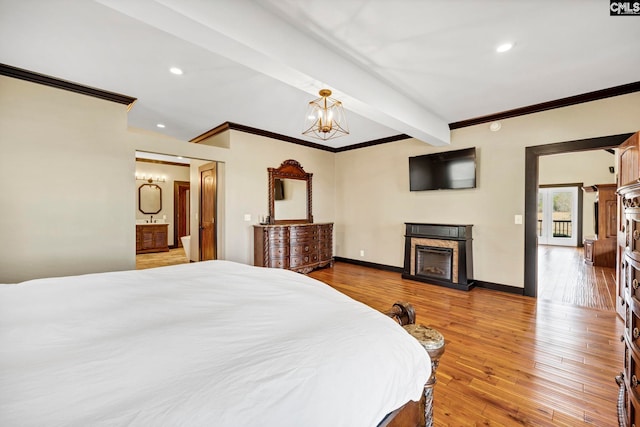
[325, 231]
[278, 251]
[303, 249]
[278, 262]
[306, 231]
[632, 323]
[299, 261]
[631, 269]
[277, 233]
[633, 234]
[632, 377]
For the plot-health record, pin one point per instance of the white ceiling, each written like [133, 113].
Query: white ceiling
[399, 66]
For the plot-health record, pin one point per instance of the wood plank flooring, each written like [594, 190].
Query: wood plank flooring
[564, 277]
[510, 360]
[159, 259]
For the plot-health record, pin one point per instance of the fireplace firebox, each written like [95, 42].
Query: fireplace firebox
[434, 262]
[439, 254]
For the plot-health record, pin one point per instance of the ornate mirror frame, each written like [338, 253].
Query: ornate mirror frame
[145, 205]
[289, 169]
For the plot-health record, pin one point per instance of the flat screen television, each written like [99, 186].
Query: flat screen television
[443, 171]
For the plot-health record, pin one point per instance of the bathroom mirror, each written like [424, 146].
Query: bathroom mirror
[149, 199]
[289, 194]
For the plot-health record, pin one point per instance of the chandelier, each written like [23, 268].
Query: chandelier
[325, 118]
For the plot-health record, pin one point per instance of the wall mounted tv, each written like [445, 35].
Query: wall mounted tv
[443, 171]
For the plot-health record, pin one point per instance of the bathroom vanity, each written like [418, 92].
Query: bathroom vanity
[151, 238]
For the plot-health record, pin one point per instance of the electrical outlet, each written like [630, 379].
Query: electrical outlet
[247, 217]
[361, 252]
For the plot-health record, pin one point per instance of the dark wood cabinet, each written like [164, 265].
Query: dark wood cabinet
[151, 238]
[297, 247]
[600, 250]
[628, 278]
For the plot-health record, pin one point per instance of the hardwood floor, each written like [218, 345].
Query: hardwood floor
[510, 360]
[564, 277]
[159, 259]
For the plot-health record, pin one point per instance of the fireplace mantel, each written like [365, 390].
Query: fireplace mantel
[457, 238]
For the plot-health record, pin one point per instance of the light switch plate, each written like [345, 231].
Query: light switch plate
[247, 217]
[518, 219]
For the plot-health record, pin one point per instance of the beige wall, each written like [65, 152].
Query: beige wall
[64, 217]
[588, 167]
[246, 186]
[373, 197]
[67, 189]
[72, 210]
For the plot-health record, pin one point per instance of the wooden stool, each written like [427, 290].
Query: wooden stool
[433, 343]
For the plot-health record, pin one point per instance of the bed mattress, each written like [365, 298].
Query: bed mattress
[213, 343]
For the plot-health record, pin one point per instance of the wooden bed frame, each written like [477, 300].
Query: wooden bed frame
[415, 414]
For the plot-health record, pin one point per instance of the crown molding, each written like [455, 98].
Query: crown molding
[22, 74]
[544, 106]
[255, 131]
[30, 76]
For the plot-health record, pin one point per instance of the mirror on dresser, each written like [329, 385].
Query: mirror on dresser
[290, 239]
[289, 194]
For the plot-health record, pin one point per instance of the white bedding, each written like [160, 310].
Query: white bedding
[205, 344]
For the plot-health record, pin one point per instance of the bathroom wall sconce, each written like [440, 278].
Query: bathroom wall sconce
[150, 179]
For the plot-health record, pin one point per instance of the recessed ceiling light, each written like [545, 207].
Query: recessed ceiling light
[175, 70]
[504, 47]
[160, 125]
[495, 126]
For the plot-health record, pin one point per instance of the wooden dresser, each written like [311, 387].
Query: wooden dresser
[297, 247]
[151, 238]
[628, 275]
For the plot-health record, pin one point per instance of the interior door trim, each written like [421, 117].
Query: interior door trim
[532, 155]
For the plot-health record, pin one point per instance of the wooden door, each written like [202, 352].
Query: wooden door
[181, 211]
[207, 212]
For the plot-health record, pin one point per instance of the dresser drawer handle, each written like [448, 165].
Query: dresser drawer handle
[634, 283]
[636, 333]
[634, 381]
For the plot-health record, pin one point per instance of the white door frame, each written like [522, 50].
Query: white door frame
[546, 237]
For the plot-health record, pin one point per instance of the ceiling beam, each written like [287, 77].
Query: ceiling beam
[250, 35]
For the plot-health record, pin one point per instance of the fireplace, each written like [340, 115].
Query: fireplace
[439, 254]
[434, 262]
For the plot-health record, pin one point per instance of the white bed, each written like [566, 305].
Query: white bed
[205, 344]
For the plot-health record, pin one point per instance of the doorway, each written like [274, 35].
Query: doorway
[532, 155]
[181, 210]
[558, 214]
[208, 189]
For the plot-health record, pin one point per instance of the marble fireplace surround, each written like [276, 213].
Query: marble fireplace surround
[420, 241]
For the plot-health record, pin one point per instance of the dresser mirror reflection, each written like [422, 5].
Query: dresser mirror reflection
[290, 194]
